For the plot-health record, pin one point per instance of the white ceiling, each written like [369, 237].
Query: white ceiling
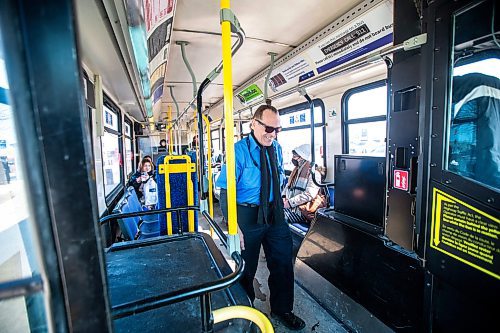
[268, 27]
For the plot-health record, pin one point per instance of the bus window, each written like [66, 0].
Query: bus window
[129, 156]
[18, 259]
[245, 128]
[296, 123]
[111, 150]
[474, 123]
[364, 117]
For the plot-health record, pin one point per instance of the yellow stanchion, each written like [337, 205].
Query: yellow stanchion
[244, 312]
[229, 122]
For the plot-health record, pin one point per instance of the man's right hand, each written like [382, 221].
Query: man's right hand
[242, 239]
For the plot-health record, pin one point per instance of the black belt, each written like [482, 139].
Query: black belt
[248, 205]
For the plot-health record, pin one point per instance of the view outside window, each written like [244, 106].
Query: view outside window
[128, 149]
[111, 151]
[111, 162]
[128, 156]
[365, 121]
[296, 131]
[17, 251]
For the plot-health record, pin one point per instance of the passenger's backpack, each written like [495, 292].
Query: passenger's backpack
[150, 193]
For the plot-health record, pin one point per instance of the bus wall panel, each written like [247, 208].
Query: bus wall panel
[379, 275]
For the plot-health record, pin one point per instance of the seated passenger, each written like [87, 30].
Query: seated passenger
[163, 145]
[141, 177]
[301, 196]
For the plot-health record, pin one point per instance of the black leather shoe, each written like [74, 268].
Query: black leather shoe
[290, 320]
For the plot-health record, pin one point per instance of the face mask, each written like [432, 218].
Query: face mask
[295, 162]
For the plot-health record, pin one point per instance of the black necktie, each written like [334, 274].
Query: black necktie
[278, 214]
[264, 187]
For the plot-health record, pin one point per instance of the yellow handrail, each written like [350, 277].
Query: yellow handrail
[228, 112]
[244, 312]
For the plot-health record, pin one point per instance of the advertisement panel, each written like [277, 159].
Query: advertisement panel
[368, 32]
[364, 34]
[158, 16]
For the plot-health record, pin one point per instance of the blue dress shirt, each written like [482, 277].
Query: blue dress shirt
[247, 156]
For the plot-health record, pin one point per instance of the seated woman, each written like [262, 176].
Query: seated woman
[301, 197]
[141, 177]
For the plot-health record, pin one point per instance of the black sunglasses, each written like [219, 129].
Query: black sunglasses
[269, 129]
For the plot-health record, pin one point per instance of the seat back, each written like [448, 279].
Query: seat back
[177, 186]
[129, 204]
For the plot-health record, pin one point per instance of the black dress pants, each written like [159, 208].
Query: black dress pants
[276, 240]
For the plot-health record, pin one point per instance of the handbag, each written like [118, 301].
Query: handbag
[309, 209]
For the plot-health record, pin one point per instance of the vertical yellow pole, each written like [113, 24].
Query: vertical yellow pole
[170, 130]
[229, 121]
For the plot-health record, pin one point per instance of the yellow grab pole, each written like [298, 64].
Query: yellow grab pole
[170, 132]
[244, 312]
[227, 69]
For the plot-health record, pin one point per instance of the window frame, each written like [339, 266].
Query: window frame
[128, 121]
[306, 106]
[109, 197]
[345, 122]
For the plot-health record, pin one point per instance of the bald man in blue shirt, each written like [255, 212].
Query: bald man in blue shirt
[259, 179]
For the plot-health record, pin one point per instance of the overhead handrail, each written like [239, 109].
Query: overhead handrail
[311, 108]
[188, 66]
[268, 76]
[233, 25]
[244, 312]
[171, 88]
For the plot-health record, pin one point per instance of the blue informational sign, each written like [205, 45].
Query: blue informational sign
[3, 144]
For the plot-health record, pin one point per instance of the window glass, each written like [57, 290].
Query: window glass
[128, 155]
[367, 138]
[364, 121]
[127, 129]
[214, 134]
[111, 162]
[301, 118]
[245, 127]
[23, 314]
[110, 119]
[294, 138]
[16, 252]
[367, 103]
[474, 124]
[18, 259]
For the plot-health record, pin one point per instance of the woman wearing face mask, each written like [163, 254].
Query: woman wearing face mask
[300, 191]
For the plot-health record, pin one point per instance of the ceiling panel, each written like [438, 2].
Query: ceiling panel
[268, 27]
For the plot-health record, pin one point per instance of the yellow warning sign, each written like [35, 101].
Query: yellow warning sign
[465, 233]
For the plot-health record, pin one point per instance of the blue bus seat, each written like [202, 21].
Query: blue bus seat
[174, 190]
[136, 227]
[331, 195]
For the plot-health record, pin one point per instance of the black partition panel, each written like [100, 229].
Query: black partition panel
[360, 187]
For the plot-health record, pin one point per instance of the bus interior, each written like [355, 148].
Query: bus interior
[399, 102]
